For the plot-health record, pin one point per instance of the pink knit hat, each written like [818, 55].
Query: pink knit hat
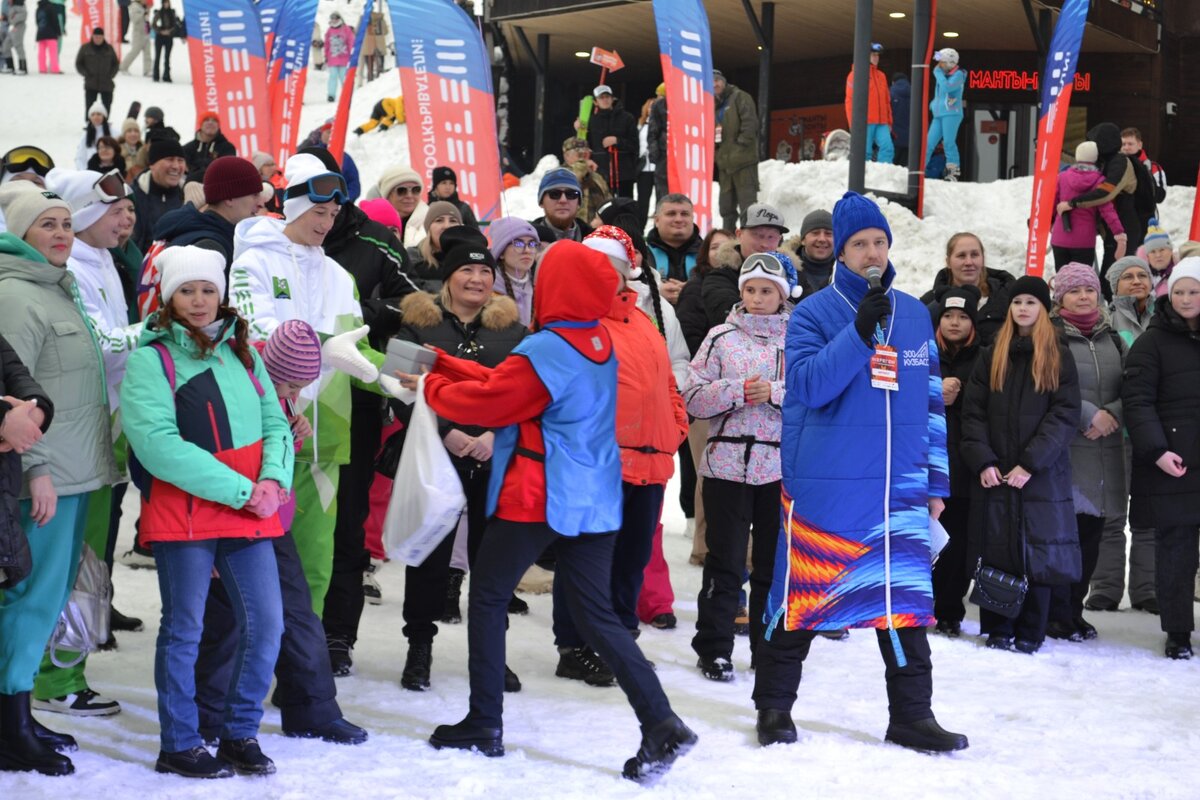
[293, 353]
[381, 211]
[1073, 276]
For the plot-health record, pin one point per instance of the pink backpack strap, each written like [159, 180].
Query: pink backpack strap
[168, 363]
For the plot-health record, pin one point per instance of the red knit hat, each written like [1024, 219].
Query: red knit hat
[229, 177]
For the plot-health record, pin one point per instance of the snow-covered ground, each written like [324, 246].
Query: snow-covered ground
[1105, 719]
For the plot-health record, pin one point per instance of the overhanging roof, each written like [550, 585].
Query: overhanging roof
[804, 30]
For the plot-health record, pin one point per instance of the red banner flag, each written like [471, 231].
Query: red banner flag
[100, 14]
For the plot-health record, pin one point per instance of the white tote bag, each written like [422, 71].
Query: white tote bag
[427, 495]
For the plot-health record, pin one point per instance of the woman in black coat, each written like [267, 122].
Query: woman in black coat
[958, 350]
[1161, 398]
[469, 321]
[966, 266]
[19, 393]
[1021, 412]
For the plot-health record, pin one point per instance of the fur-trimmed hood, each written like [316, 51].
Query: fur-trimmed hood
[728, 255]
[424, 310]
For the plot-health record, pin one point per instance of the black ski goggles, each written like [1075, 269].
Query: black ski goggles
[321, 189]
[21, 159]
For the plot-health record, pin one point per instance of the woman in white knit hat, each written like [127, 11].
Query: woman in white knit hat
[40, 317]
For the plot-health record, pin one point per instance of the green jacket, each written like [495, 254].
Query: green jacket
[211, 438]
[739, 129]
[43, 319]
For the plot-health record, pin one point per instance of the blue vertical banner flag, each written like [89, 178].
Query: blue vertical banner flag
[1057, 84]
[288, 73]
[337, 141]
[685, 49]
[268, 18]
[446, 78]
[229, 67]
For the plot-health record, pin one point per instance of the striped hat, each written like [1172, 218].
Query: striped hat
[293, 353]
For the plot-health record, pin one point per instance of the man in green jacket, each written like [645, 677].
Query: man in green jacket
[737, 151]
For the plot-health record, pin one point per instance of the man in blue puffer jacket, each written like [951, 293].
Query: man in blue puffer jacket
[864, 469]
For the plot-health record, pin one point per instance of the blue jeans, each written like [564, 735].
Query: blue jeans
[881, 136]
[944, 129]
[29, 610]
[251, 578]
[337, 76]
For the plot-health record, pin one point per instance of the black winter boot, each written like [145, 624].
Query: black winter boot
[661, 745]
[22, 69]
[775, 726]
[925, 735]
[20, 748]
[59, 742]
[452, 613]
[416, 667]
[466, 735]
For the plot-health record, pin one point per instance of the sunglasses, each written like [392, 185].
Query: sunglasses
[524, 244]
[415, 190]
[20, 159]
[558, 194]
[111, 187]
[321, 189]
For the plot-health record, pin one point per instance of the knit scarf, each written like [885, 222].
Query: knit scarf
[1086, 323]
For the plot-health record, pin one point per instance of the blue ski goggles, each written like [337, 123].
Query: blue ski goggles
[321, 189]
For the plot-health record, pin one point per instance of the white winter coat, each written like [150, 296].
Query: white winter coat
[104, 302]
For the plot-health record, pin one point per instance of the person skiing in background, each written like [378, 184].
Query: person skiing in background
[339, 42]
[947, 108]
[879, 111]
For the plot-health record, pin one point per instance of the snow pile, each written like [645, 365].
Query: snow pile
[1109, 718]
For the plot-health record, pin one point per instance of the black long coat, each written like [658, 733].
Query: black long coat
[1019, 426]
[1160, 392]
[619, 123]
[959, 365]
[15, 381]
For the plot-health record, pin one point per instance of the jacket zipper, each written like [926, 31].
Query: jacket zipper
[212, 419]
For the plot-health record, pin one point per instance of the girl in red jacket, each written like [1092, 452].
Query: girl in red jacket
[651, 424]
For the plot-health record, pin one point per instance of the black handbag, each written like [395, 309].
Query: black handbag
[996, 590]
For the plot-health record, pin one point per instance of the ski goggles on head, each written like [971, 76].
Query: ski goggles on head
[111, 187]
[764, 262]
[321, 189]
[27, 157]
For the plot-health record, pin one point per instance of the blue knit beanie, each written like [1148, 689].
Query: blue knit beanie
[557, 178]
[852, 214]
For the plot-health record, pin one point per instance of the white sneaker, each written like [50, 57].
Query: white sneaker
[135, 560]
[372, 593]
[85, 703]
[689, 530]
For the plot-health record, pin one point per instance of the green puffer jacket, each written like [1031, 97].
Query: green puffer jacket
[739, 129]
[42, 317]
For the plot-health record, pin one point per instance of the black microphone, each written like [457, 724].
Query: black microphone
[874, 277]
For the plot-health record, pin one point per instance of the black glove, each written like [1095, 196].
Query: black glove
[358, 131]
[874, 307]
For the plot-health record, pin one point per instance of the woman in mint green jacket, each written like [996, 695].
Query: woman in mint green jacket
[214, 454]
[42, 318]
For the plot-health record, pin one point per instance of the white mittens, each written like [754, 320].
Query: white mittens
[341, 353]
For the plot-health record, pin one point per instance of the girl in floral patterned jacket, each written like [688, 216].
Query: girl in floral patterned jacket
[736, 381]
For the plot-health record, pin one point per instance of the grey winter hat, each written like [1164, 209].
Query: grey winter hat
[1118, 269]
[819, 220]
[763, 214]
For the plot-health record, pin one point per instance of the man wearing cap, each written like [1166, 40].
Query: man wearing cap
[613, 136]
[209, 145]
[232, 193]
[401, 186]
[577, 157]
[762, 233]
[864, 469]
[97, 62]
[559, 196]
[814, 245]
[159, 189]
[674, 242]
[879, 110]
[737, 151]
[445, 188]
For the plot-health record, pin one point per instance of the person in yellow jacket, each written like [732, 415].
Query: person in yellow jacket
[387, 112]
